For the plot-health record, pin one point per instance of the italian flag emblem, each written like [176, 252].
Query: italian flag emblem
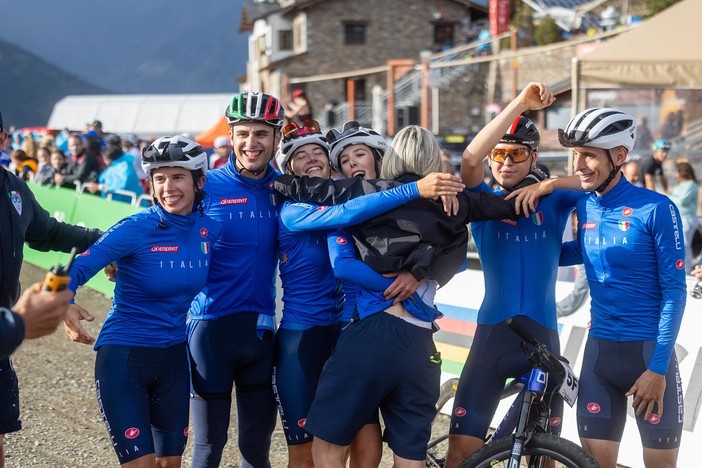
[205, 246]
[624, 225]
[538, 218]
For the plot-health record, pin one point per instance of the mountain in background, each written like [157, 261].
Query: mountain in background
[130, 46]
[29, 87]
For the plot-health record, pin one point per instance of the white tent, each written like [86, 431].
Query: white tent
[141, 114]
[663, 52]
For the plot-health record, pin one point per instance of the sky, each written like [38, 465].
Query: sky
[134, 46]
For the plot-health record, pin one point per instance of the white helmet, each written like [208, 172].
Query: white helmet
[176, 151]
[295, 137]
[599, 127]
[353, 134]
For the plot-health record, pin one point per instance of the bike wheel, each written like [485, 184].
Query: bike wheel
[438, 444]
[563, 451]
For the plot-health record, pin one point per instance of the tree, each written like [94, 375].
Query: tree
[656, 6]
[547, 32]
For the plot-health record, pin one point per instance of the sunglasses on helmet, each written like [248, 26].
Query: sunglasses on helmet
[499, 155]
[292, 130]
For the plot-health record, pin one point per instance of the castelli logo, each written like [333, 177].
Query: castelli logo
[321, 207]
[594, 408]
[627, 211]
[270, 186]
[301, 422]
[87, 252]
[460, 412]
[203, 232]
[131, 433]
[341, 240]
[555, 421]
[654, 418]
[680, 264]
[165, 248]
[234, 201]
[185, 432]
[587, 226]
[509, 222]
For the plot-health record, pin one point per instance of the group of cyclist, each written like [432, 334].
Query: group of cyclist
[360, 260]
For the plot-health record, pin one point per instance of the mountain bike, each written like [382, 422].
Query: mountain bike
[438, 444]
[522, 435]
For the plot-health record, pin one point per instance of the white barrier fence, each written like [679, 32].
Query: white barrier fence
[467, 290]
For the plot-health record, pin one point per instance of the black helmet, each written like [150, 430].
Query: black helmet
[522, 132]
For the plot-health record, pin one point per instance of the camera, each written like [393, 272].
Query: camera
[697, 290]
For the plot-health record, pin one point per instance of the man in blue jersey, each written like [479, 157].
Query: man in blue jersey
[631, 242]
[520, 262]
[232, 320]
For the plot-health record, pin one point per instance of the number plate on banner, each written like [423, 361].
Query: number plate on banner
[570, 385]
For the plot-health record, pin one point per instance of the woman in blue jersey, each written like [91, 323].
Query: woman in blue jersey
[312, 298]
[358, 152]
[162, 255]
[391, 341]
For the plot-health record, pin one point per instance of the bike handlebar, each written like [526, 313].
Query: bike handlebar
[539, 354]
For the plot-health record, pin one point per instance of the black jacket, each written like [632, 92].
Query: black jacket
[85, 168]
[22, 220]
[418, 236]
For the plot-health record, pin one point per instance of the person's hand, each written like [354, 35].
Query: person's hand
[42, 311]
[527, 198]
[451, 204]
[111, 272]
[648, 390]
[73, 327]
[438, 184]
[403, 287]
[697, 271]
[58, 178]
[536, 96]
[93, 187]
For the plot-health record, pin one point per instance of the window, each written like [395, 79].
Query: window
[354, 33]
[285, 40]
[443, 34]
[360, 93]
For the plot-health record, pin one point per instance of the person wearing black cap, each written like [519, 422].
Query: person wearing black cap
[24, 220]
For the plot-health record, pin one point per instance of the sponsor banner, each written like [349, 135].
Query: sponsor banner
[83, 210]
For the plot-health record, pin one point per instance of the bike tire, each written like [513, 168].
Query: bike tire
[438, 444]
[561, 450]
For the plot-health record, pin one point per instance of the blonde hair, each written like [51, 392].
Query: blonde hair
[414, 150]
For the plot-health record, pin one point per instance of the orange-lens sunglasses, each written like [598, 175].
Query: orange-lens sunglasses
[499, 155]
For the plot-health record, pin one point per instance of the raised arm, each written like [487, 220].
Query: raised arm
[533, 97]
[300, 216]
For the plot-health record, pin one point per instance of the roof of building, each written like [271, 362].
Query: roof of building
[142, 114]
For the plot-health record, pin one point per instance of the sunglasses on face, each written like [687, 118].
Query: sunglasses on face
[499, 155]
[291, 130]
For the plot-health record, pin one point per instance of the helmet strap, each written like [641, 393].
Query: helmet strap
[612, 175]
[509, 190]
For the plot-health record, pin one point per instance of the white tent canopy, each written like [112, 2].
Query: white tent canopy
[662, 52]
[141, 114]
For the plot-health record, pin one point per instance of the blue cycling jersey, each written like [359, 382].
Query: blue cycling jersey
[311, 294]
[520, 260]
[162, 262]
[242, 271]
[631, 242]
[364, 286]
